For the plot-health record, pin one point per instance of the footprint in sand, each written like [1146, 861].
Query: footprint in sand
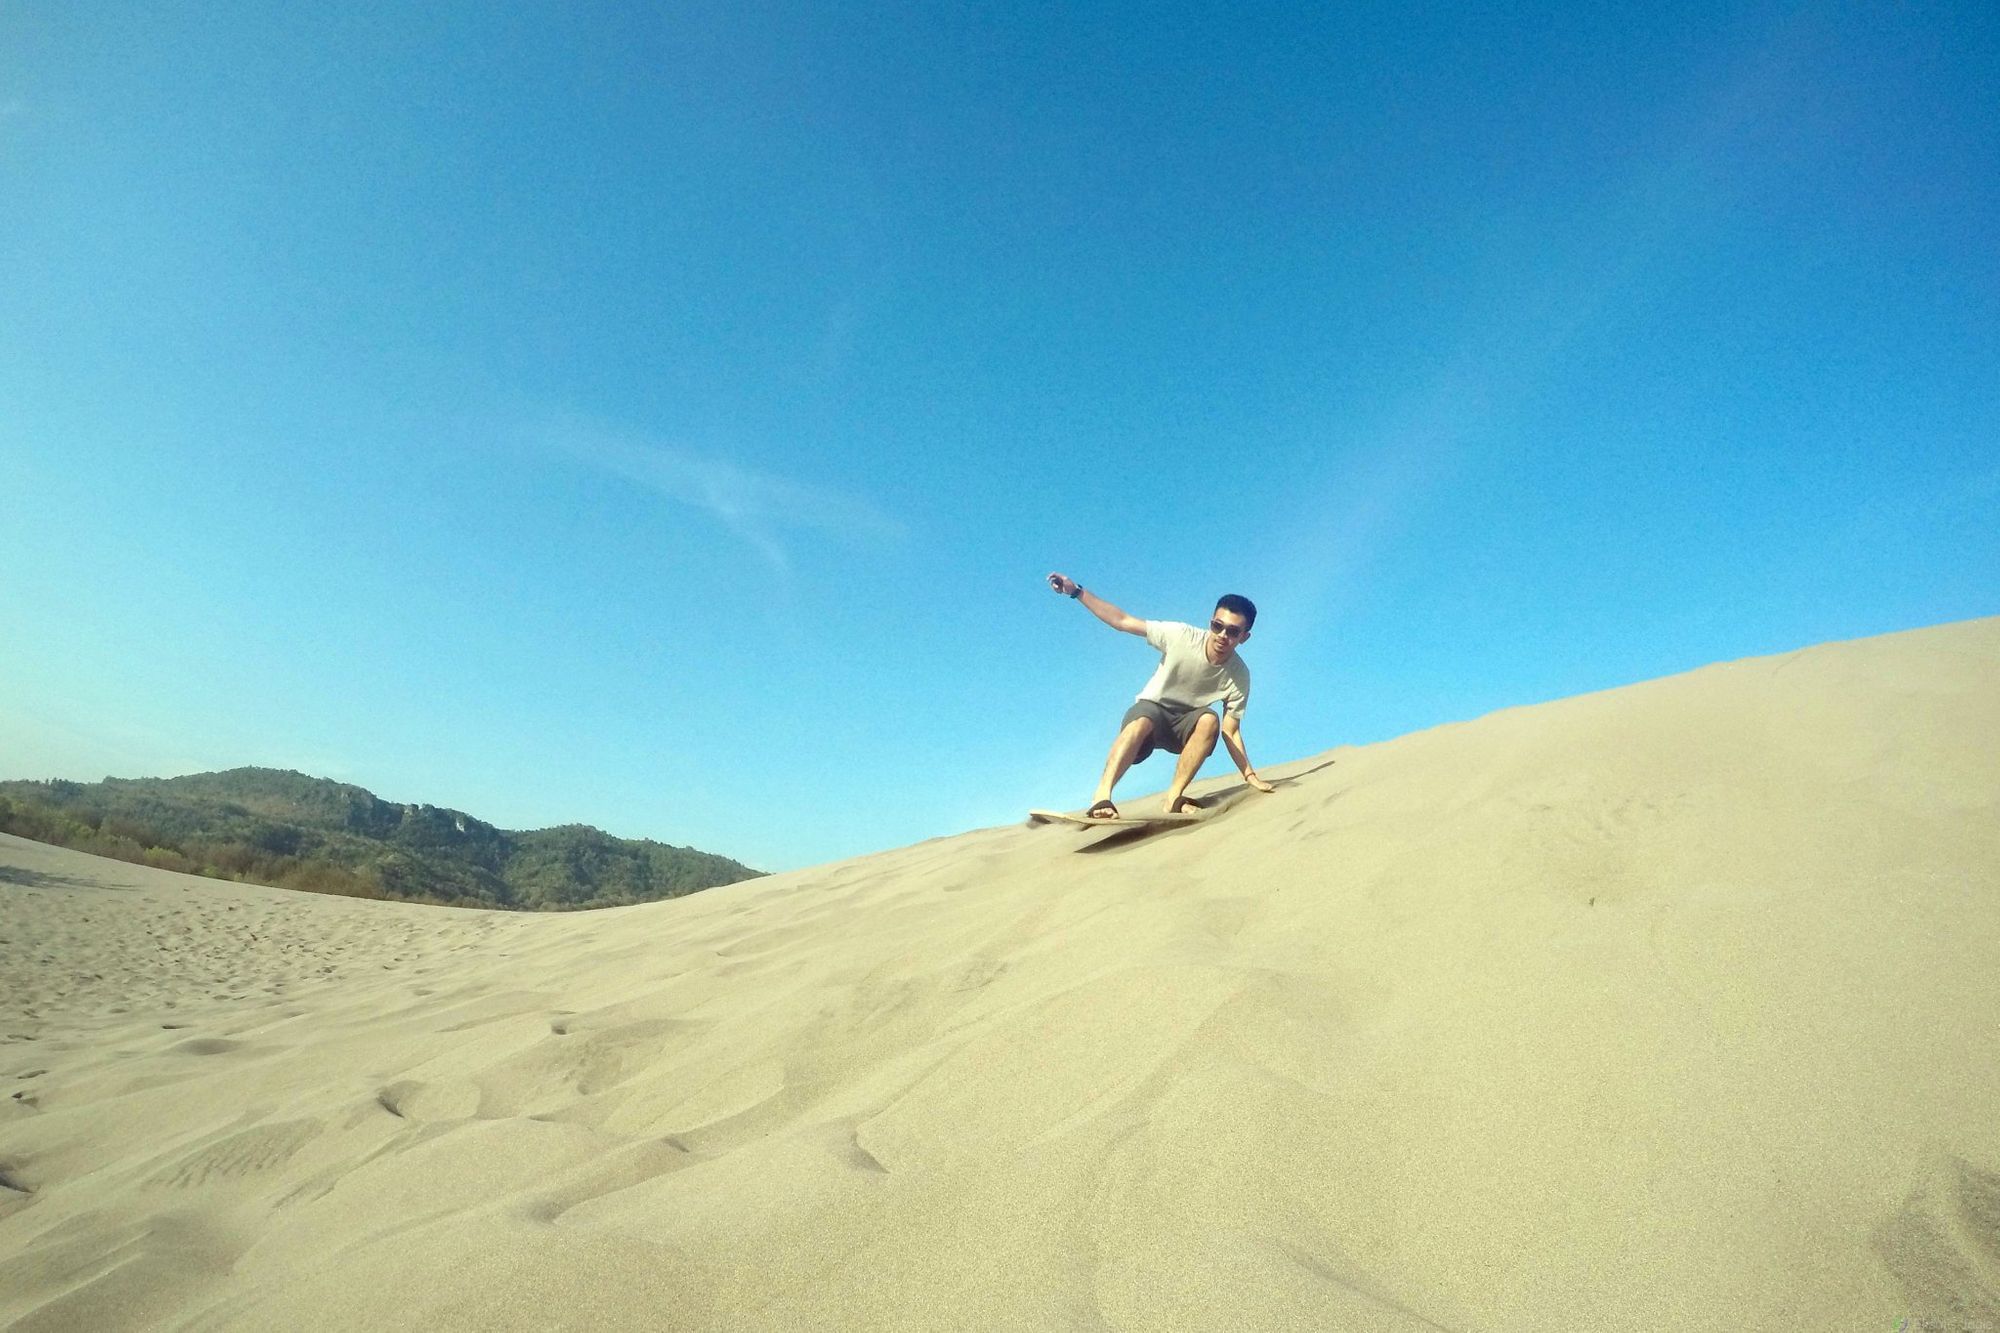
[420, 1102]
[1943, 1245]
[583, 1055]
[15, 1193]
[247, 1152]
[205, 1046]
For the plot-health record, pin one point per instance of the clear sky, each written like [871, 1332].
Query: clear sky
[664, 416]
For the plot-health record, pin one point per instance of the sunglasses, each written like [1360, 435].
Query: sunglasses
[1228, 631]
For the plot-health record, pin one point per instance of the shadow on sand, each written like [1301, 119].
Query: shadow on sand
[1215, 802]
[41, 879]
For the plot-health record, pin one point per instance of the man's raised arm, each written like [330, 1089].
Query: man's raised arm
[1100, 608]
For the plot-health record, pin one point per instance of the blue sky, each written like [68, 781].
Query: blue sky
[663, 417]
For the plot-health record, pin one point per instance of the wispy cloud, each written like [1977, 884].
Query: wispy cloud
[760, 508]
[47, 738]
[1419, 440]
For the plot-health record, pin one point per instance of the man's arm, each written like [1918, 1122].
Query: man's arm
[1232, 736]
[1100, 608]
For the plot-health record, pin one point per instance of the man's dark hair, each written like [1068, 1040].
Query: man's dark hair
[1242, 606]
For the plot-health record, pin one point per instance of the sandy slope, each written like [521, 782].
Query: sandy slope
[1676, 1006]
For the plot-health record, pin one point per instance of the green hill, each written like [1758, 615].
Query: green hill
[272, 826]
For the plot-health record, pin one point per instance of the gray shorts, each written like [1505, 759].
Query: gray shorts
[1171, 726]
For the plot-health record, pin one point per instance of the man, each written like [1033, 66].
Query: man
[1172, 713]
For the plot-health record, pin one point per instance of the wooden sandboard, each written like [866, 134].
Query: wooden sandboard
[1149, 819]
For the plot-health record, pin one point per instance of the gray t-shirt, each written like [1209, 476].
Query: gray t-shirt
[1186, 678]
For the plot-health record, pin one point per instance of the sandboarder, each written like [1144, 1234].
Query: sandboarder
[1173, 712]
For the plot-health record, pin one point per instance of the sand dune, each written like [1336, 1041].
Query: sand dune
[1676, 1006]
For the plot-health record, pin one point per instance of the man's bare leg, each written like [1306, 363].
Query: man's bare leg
[1194, 754]
[1123, 751]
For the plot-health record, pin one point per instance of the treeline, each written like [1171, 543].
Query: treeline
[272, 826]
[124, 839]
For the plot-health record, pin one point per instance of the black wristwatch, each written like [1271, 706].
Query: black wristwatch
[1079, 590]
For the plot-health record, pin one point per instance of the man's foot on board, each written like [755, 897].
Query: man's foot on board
[1102, 810]
[1183, 805]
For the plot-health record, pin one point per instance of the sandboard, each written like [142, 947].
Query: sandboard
[1145, 819]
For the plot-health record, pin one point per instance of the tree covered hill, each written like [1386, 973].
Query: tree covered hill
[272, 826]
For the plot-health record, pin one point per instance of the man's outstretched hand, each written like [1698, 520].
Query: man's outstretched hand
[1063, 584]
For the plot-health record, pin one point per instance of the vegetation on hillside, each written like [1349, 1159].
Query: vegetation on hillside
[271, 826]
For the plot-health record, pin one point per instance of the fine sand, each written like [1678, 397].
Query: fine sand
[1671, 1007]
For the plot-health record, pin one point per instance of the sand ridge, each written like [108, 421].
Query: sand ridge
[1676, 1006]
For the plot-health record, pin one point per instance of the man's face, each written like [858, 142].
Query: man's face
[1226, 630]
